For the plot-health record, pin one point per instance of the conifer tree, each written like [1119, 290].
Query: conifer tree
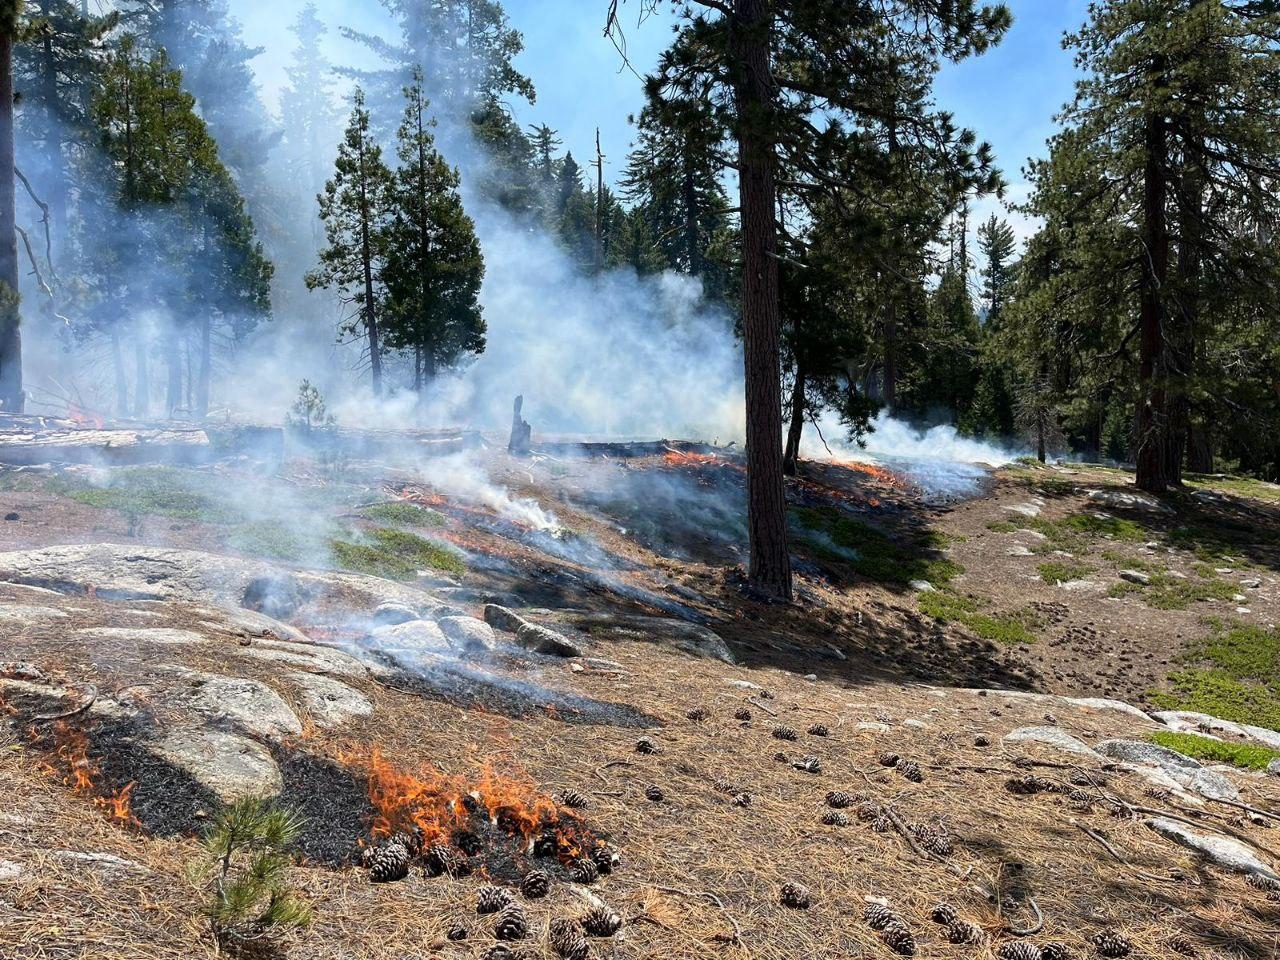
[308, 110]
[355, 207]
[434, 265]
[12, 396]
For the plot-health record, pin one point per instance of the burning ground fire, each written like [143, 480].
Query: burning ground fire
[492, 825]
[67, 746]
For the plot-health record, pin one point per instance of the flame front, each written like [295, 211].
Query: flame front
[73, 766]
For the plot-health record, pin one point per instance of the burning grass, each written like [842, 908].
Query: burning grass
[67, 750]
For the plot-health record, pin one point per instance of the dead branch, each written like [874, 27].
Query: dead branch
[44, 219]
[90, 697]
[1035, 927]
[708, 895]
[756, 703]
[1115, 855]
[598, 772]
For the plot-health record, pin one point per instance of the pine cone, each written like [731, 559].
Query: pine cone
[1181, 943]
[911, 771]
[512, 924]
[943, 913]
[964, 931]
[574, 800]
[605, 858]
[868, 812]
[697, 714]
[601, 922]
[877, 916]
[442, 859]
[834, 818]
[742, 799]
[584, 871]
[411, 840]
[535, 885]
[1019, 950]
[899, 939]
[888, 759]
[796, 896]
[819, 730]
[1054, 950]
[1028, 784]
[646, 745]
[501, 951]
[781, 757]
[783, 732]
[456, 932]
[743, 714]
[839, 800]
[981, 741]
[388, 863]
[1260, 881]
[492, 899]
[655, 794]
[808, 764]
[881, 824]
[721, 785]
[1108, 943]
[567, 940]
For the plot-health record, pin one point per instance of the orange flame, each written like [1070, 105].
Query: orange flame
[675, 458]
[75, 768]
[83, 417]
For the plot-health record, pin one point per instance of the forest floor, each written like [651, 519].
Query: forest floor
[911, 619]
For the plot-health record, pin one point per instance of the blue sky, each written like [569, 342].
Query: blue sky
[1008, 96]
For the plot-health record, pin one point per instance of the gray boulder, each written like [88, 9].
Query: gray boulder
[1187, 772]
[331, 703]
[1125, 500]
[1222, 851]
[502, 618]
[227, 764]
[1050, 740]
[248, 704]
[468, 633]
[539, 639]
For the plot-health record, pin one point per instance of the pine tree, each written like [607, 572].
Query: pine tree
[780, 81]
[1156, 196]
[434, 265]
[309, 113]
[992, 408]
[12, 396]
[355, 207]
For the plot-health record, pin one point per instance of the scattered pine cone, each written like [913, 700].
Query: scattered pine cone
[868, 812]
[1029, 784]
[783, 732]
[492, 899]
[574, 800]
[456, 932]
[512, 924]
[743, 714]
[1158, 793]
[390, 862]
[878, 916]
[1260, 881]
[721, 785]
[935, 841]
[899, 939]
[567, 940]
[500, 951]
[808, 764]
[535, 885]
[911, 771]
[1181, 943]
[697, 714]
[442, 859]
[654, 793]
[1019, 950]
[819, 730]
[981, 741]
[646, 745]
[411, 840]
[839, 800]
[781, 757]
[834, 818]
[601, 922]
[742, 799]
[1108, 943]
[943, 913]
[964, 931]
[795, 895]
[1054, 950]
[584, 871]
[888, 759]
[605, 858]
[881, 824]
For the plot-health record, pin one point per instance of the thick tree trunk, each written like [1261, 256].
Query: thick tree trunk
[122, 379]
[206, 368]
[12, 397]
[770, 564]
[791, 454]
[1199, 448]
[1152, 458]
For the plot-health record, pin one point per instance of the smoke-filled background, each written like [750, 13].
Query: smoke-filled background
[608, 353]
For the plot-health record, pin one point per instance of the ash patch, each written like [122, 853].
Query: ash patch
[333, 802]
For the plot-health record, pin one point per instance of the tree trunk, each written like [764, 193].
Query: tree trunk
[122, 379]
[889, 387]
[417, 369]
[770, 564]
[691, 245]
[206, 368]
[141, 376]
[54, 159]
[1199, 448]
[173, 364]
[12, 397]
[1152, 459]
[791, 455]
[366, 257]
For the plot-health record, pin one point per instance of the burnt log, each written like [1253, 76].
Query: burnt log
[47, 441]
[521, 432]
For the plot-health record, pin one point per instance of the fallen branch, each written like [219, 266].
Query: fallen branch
[599, 775]
[91, 696]
[708, 895]
[1245, 807]
[1035, 927]
[1115, 855]
[756, 703]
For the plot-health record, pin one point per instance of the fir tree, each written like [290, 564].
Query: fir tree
[12, 396]
[355, 207]
[434, 266]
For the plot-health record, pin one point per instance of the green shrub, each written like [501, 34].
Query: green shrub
[404, 514]
[1063, 571]
[947, 606]
[872, 553]
[394, 554]
[1246, 755]
[245, 862]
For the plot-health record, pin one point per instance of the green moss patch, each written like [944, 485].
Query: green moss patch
[393, 554]
[1245, 755]
[1001, 526]
[872, 553]
[947, 606]
[1234, 674]
[403, 514]
[1167, 592]
[1063, 571]
[158, 491]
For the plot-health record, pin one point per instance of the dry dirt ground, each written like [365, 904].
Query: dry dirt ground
[882, 664]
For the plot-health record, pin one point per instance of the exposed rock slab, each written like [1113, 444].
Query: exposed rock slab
[539, 639]
[248, 704]
[1222, 851]
[227, 764]
[16, 613]
[468, 633]
[1050, 740]
[1188, 772]
[143, 635]
[331, 703]
[1126, 500]
[691, 638]
[307, 656]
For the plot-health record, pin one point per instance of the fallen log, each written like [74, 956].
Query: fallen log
[20, 445]
[625, 450]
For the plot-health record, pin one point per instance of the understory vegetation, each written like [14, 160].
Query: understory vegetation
[1248, 755]
[947, 606]
[836, 538]
[1233, 674]
[394, 554]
